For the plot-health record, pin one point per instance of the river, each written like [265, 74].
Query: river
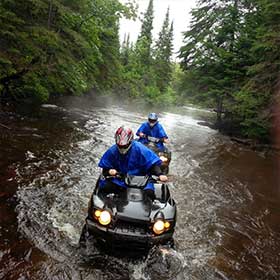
[226, 194]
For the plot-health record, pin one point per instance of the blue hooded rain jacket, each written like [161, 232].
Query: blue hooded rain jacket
[156, 131]
[138, 161]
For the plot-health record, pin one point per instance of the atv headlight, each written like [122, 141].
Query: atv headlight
[166, 225]
[158, 227]
[105, 218]
[97, 213]
[163, 158]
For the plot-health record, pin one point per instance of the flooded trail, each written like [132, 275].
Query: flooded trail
[227, 200]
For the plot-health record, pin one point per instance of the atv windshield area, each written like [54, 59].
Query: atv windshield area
[136, 181]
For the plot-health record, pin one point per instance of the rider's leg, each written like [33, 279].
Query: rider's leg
[110, 187]
[150, 194]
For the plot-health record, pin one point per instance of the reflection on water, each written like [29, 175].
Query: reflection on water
[228, 206]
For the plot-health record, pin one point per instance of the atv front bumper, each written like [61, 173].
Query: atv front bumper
[125, 237]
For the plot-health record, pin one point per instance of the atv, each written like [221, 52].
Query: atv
[164, 155]
[131, 219]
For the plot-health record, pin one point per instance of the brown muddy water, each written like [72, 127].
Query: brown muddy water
[227, 199]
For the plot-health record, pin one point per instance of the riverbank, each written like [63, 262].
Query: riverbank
[235, 136]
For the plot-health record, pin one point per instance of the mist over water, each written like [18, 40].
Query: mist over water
[226, 200]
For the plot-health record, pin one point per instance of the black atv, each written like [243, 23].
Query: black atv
[164, 155]
[131, 219]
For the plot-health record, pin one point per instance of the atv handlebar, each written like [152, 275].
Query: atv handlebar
[152, 178]
[154, 139]
[118, 175]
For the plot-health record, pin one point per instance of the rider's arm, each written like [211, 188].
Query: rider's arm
[142, 130]
[165, 140]
[140, 134]
[105, 172]
[156, 170]
[109, 172]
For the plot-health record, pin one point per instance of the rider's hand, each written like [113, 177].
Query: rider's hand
[163, 178]
[142, 135]
[113, 172]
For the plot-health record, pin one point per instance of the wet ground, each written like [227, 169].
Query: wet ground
[227, 199]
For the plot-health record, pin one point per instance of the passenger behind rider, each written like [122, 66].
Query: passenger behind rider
[128, 157]
[154, 129]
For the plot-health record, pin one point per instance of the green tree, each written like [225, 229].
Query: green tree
[210, 50]
[58, 47]
[254, 101]
[139, 71]
[216, 57]
[144, 40]
[163, 52]
[125, 50]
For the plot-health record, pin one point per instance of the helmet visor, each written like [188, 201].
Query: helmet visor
[123, 149]
[152, 121]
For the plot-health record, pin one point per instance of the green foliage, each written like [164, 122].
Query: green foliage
[167, 98]
[230, 58]
[163, 52]
[146, 67]
[58, 47]
[32, 89]
[247, 109]
[144, 41]
[152, 94]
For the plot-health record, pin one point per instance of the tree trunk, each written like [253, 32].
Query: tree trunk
[219, 110]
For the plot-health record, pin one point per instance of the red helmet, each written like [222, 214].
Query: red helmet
[123, 138]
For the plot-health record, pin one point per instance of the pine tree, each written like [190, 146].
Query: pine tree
[125, 50]
[213, 50]
[267, 46]
[231, 57]
[144, 40]
[163, 53]
[254, 101]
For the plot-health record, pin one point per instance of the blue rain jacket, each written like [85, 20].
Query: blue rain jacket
[137, 161]
[156, 131]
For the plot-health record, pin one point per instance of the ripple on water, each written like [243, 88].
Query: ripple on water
[214, 237]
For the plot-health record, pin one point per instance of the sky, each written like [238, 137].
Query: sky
[179, 13]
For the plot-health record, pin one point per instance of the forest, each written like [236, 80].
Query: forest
[229, 61]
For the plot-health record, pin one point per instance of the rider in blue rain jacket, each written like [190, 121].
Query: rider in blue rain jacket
[128, 157]
[154, 129]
